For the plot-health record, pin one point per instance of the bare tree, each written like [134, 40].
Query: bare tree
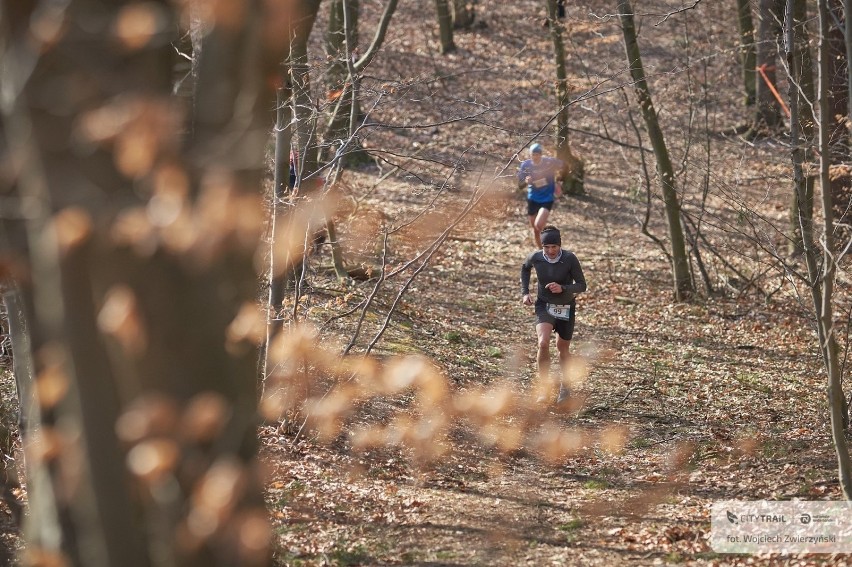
[573, 173]
[822, 279]
[142, 292]
[838, 106]
[683, 285]
[847, 43]
[767, 119]
[445, 26]
[464, 13]
[802, 120]
[341, 46]
[296, 113]
[747, 50]
[304, 108]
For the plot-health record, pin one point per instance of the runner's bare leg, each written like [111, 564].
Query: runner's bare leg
[563, 347]
[543, 330]
[536, 232]
[538, 222]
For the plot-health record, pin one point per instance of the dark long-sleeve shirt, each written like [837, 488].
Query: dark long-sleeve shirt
[566, 272]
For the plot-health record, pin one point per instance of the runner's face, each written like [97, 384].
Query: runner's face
[536, 157]
[551, 250]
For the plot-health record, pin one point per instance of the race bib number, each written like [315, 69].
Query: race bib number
[559, 311]
[539, 183]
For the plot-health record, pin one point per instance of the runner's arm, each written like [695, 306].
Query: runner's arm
[526, 269]
[578, 283]
[523, 172]
[525, 281]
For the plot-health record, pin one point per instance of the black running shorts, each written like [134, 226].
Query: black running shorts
[565, 327]
[533, 207]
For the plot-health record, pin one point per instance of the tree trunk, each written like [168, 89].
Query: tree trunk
[445, 26]
[838, 101]
[338, 36]
[824, 304]
[573, 172]
[838, 135]
[464, 13]
[747, 52]
[22, 361]
[350, 149]
[683, 286]
[306, 143]
[281, 185]
[767, 119]
[307, 152]
[802, 122]
[147, 396]
[801, 210]
[336, 250]
[341, 46]
[847, 42]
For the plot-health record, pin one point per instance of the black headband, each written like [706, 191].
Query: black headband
[550, 237]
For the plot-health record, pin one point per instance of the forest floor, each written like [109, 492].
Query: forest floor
[678, 405]
[674, 406]
[707, 400]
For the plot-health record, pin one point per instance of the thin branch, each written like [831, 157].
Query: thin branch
[475, 198]
[371, 297]
[379, 38]
[678, 11]
[647, 177]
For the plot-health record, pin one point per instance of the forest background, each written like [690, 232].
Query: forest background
[174, 291]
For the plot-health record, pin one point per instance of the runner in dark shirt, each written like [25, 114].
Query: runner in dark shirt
[560, 278]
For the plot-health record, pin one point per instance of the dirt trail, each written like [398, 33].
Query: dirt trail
[701, 401]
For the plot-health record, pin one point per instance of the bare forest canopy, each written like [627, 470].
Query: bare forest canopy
[261, 279]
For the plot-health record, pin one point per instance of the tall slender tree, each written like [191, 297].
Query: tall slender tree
[838, 135]
[802, 120]
[683, 285]
[445, 26]
[847, 43]
[822, 287]
[767, 118]
[341, 44]
[573, 174]
[747, 50]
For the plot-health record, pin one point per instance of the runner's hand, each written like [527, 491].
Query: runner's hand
[526, 300]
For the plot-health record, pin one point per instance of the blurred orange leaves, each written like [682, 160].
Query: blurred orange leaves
[153, 459]
[52, 384]
[226, 216]
[151, 415]
[139, 130]
[205, 417]
[120, 317]
[325, 390]
[248, 327]
[72, 226]
[294, 235]
[137, 23]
